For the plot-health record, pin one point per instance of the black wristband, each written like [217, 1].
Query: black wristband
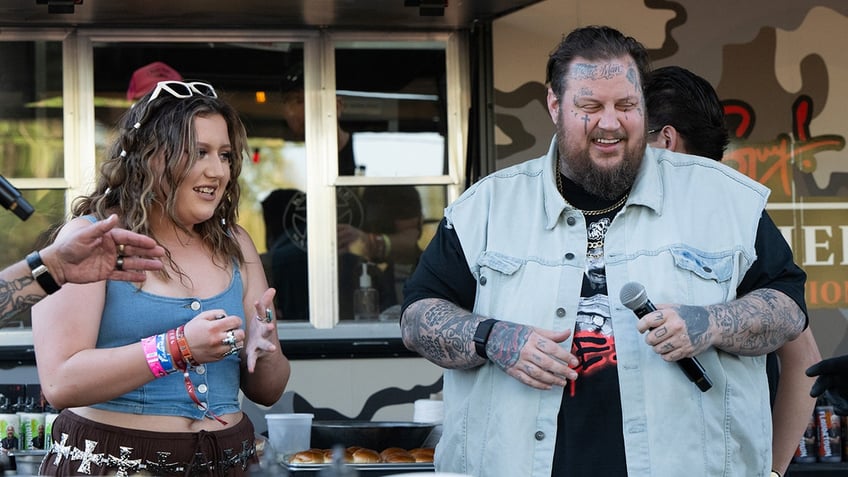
[481, 336]
[41, 274]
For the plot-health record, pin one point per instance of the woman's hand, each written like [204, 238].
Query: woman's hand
[261, 337]
[207, 335]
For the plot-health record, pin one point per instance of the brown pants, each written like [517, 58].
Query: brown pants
[85, 447]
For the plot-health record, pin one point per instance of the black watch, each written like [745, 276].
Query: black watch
[481, 336]
[41, 274]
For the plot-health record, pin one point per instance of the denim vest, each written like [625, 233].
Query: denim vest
[130, 314]
[686, 233]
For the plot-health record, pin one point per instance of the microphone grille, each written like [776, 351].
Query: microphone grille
[633, 295]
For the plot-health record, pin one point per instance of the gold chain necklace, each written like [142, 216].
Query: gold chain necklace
[589, 212]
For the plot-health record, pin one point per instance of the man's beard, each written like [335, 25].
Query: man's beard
[608, 184]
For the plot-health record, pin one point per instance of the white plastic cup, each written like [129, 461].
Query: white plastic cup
[428, 411]
[289, 433]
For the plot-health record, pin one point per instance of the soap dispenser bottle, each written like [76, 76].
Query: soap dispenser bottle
[366, 302]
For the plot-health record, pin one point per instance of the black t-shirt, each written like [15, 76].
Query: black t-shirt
[590, 439]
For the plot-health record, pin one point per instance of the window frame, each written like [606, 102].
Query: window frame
[322, 174]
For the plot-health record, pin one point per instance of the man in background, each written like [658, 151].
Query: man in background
[685, 115]
[378, 226]
[295, 115]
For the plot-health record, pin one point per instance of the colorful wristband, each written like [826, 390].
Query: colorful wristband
[163, 354]
[152, 356]
[174, 347]
[184, 349]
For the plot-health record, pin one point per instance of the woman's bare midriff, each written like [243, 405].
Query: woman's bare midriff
[155, 422]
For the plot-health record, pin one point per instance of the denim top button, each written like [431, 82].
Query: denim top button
[569, 256]
[571, 221]
[539, 435]
[560, 312]
[482, 280]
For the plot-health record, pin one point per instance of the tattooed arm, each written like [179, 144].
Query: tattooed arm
[756, 324]
[443, 333]
[18, 291]
[85, 253]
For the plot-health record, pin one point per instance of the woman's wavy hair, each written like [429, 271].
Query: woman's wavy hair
[130, 186]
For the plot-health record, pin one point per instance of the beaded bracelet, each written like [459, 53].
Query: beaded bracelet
[184, 349]
[152, 356]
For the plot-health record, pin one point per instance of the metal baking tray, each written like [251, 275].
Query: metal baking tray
[370, 470]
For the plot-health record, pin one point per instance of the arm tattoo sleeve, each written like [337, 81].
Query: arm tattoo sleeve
[441, 332]
[13, 300]
[755, 324]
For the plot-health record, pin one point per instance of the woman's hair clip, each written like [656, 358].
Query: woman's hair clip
[123, 153]
[137, 125]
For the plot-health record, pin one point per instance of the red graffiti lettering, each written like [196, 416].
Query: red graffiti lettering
[774, 162]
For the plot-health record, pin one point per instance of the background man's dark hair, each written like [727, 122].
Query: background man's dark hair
[677, 97]
[593, 43]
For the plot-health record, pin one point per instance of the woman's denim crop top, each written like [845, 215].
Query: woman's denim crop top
[130, 314]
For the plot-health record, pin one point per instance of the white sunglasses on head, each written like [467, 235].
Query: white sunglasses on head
[180, 89]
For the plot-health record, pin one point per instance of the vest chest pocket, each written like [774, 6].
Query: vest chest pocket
[709, 266]
[518, 289]
[496, 272]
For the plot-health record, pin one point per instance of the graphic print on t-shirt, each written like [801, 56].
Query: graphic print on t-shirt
[594, 341]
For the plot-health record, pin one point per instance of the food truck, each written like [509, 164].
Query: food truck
[427, 96]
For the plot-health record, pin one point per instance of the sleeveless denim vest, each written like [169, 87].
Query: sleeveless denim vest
[686, 233]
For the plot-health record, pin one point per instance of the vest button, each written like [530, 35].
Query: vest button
[195, 305]
[539, 435]
[483, 281]
[571, 221]
[560, 312]
[569, 256]
[200, 369]
[202, 389]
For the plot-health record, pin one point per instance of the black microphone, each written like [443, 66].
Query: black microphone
[12, 200]
[634, 296]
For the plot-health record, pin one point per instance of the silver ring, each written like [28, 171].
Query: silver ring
[269, 316]
[230, 339]
[233, 350]
[119, 263]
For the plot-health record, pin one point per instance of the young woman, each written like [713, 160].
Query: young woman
[148, 374]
